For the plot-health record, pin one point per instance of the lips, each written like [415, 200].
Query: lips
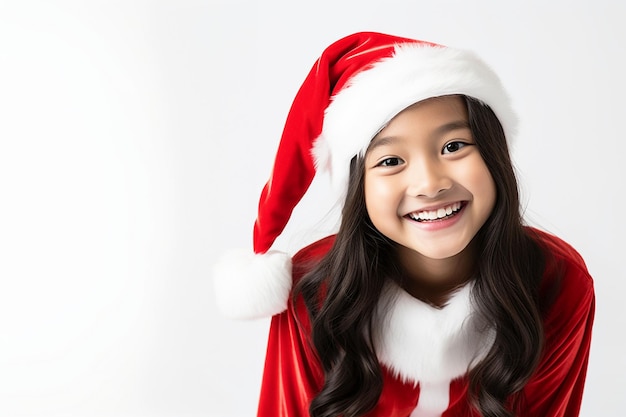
[436, 215]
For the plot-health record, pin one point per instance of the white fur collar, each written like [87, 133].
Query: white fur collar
[422, 343]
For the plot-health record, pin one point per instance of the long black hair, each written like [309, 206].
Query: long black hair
[353, 273]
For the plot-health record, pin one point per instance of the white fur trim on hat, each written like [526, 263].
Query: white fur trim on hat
[375, 95]
[250, 286]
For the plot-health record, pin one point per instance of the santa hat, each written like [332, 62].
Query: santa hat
[353, 90]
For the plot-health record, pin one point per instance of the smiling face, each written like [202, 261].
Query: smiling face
[427, 187]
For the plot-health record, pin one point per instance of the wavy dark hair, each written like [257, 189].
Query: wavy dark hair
[352, 275]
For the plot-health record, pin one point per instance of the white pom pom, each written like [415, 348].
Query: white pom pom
[250, 286]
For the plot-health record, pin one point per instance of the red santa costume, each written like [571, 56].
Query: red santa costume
[354, 89]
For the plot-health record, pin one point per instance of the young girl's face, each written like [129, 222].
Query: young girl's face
[426, 186]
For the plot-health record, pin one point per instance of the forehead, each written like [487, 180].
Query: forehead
[434, 116]
[434, 108]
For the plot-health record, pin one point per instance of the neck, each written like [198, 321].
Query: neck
[434, 280]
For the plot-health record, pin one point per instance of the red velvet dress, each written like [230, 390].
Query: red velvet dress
[293, 376]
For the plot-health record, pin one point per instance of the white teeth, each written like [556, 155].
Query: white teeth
[436, 214]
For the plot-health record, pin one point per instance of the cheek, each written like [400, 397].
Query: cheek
[482, 184]
[379, 196]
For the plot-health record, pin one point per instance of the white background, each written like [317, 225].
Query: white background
[136, 137]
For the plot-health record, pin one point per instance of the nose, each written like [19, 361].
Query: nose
[427, 179]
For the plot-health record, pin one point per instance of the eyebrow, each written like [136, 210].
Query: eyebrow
[448, 127]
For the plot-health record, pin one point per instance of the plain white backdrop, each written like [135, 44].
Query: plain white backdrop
[135, 137]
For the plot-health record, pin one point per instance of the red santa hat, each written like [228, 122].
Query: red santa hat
[353, 90]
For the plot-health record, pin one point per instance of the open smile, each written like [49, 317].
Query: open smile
[437, 215]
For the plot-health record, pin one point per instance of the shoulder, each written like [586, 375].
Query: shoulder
[566, 281]
[568, 317]
[560, 254]
[559, 249]
[311, 255]
[315, 250]
[304, 261]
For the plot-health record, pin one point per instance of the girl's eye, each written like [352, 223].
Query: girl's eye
[453, 147]
[390, 162]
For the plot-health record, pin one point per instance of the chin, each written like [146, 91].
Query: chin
[441, 254]
[442, 249]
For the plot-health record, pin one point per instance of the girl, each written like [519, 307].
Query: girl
[433, 298]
